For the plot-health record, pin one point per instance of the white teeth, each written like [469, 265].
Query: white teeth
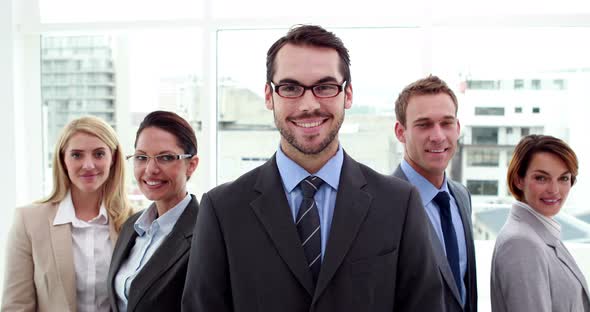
[551, 200]
[152, 183]
[437, 151]
[309, 124]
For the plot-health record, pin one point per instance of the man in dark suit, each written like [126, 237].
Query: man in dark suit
[311, 229]
[427, 124]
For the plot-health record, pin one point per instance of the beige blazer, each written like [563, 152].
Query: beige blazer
[39, 273]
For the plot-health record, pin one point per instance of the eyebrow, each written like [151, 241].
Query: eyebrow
[547, 173]
[159, 153]
[323, 80]
[82, 150]
[426, 119]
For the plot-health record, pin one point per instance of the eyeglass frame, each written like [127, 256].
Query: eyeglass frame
[155, 157]
[275, 88]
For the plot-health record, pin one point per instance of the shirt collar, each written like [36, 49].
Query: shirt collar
[550, 224]
[66, 213]
[426, 189]
[164, 222]
[292, 174]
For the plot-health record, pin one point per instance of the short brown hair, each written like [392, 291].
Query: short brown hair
[309, 35]
[527, 148]
[429, 85]
[175, 125]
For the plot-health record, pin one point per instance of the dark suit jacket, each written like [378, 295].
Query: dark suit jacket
[159, 284]
[452, 297]
[247, 256]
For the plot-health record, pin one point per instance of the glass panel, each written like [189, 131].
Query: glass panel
[133, 74]
[69, 11]
[310, 9]
[247, 135]
[540, 77]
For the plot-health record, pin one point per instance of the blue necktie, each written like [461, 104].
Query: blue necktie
[308, 225]
[450, 238]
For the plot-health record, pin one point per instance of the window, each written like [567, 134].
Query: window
[155, 70]
[483, 187]
[525, 131]
[518, 109]
[483, 158]
[489, 111]
[536, 110]
[559, 84]
[518, 84]
[481, 135]
[536, 84]
[483, 84]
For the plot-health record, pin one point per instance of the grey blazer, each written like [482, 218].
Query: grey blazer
[451, 293]
[533, 271]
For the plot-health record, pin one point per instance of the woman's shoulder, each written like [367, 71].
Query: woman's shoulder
[37, 209]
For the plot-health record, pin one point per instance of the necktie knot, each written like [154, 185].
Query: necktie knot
[310, 185]
[442, 200]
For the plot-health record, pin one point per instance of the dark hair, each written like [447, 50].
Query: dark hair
[429, 85]
[173, 124]
[310, 35]
[527, 148]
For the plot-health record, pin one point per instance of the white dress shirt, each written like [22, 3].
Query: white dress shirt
[92, 248]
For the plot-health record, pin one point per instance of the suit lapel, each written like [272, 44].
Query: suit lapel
[120, 253]
[61, 240]
[352, 205]
[565, 257]
[170, 251]
[272, 209]
[439, 252]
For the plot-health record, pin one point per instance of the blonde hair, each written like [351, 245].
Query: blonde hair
[113, 190]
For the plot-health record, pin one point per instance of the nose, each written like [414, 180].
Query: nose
[308, 101]
[553, 187]
[437, 135]
[152, 166]
[88, 163]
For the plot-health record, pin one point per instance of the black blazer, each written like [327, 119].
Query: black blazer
[452, 297]
[159, 284]
[247, 256]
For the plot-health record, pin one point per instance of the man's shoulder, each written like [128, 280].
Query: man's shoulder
[386, 181]
[243, 183]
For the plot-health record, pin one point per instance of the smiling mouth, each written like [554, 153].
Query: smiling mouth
[154, 183]
[442, 150]
[309, 124]
[87, 176]
[550, 201]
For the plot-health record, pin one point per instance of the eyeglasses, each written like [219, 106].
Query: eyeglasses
[140, 160]
[321, 90]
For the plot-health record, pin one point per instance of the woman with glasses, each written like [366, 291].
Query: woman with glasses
[532, 271]
[150, 259]
[59, 248]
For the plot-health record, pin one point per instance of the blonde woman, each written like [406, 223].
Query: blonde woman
[59, 248]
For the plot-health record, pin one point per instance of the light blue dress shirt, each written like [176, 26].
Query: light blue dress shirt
[427, 194]
[325, 197]
[151, 233]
